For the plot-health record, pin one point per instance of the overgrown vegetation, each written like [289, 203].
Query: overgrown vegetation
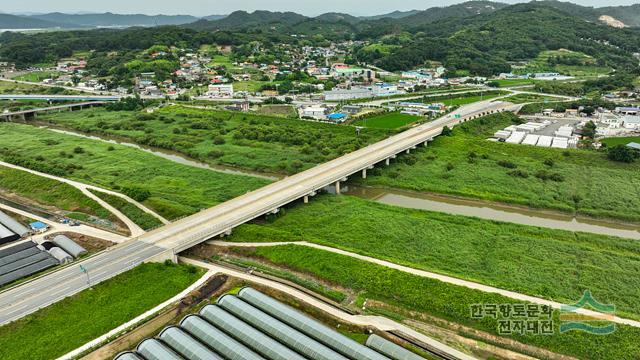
[248, 141]
[173, 190]
[583, 182]
[74, 321]
[144, 220]
[50, 193]
[445, 301]
[553, 264]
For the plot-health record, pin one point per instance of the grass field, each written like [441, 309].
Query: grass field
[462, 99]
[449, 302]
[74, 321]
[611, 142]
[134, 213]
[513, 82]
[554, 264]
[174, 190]
[574, 181]
[7, 87]
[256, 142]
[37, 76]
[388, 121]
[50, 193]
[531, 98]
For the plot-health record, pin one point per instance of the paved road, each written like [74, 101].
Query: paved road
[378, 322]
[190, 231]
[431, 275]
[48, 289]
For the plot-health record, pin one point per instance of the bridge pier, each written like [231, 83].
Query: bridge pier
[337, 187]
[306, 199]
[387, 161]
[364, 173]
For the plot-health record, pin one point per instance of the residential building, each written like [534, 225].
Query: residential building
[220, 91]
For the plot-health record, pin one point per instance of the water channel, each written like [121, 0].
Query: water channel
[494, 211]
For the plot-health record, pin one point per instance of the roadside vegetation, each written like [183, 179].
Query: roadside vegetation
[463, 99]
[144, 220]
[255, 142]
[74, 321]
[611, 142]
[581, 182]
[553, 264]
[170, 189]
[531, 98]
[414, 294]
[50, 194]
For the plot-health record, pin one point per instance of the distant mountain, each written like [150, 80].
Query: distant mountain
[335, 17]
[21, 22]
[394, 15]
[214, 17]
[462, 10]
[243, 19]
[110, 19]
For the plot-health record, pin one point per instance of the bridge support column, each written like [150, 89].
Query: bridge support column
[408, 151]
[337, 187]
[387, 161]
[364, 173]
[306, 199]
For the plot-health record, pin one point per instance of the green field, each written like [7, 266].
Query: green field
[74, 321]
[37, 76]
[462, 99]
[256, 142]
[531, 98]
[611, 142]
[388, 121]
[554, 264]
[50, 193]
[144, 220]
[7, 87]
[574, 181]
[512, 82]
[445, 301]
[174, 190]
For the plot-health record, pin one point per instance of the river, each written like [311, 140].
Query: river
[494, 211]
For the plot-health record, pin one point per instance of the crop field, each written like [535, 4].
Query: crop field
[171, 189]
[37, 76]
[135, 214]
[445, 301]
[582, 182]
[512, 82]
[388, 121]
[565, 62]
[256, 142]
[50, 193]
[558, 265]
[74, 321]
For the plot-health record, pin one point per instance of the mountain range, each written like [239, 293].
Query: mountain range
[618, 16]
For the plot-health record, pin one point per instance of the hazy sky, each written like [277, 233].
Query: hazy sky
[208, 7]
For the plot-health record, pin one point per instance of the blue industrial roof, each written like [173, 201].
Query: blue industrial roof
[37, 225]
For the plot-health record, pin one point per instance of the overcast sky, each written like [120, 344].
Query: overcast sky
[209, 7]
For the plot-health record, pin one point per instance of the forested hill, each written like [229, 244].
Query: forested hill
[485, 44]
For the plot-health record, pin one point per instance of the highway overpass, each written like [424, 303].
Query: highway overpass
[32, 113]
[166, 242]
[15, 97]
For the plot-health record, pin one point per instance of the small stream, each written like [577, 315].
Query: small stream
[173, 156]
[493, 211]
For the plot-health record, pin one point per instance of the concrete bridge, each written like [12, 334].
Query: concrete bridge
[166, 242]
[33, 113]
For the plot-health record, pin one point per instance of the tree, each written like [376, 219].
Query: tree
[589, 130]
[622, 153]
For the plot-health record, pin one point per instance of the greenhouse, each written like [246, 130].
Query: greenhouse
[254, 326]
